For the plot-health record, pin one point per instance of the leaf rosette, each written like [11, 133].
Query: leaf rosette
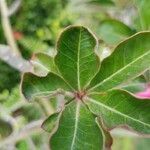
[99, 104]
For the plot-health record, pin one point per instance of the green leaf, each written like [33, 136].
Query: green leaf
[5, 129]
[43, 63]
[33, 86]
[78, 125]
[102, 2]
[129, 59]
[147, 75]
[76, 58]
[113, 31]
[77, 130]
[144, 13]
[137, 85]
[22, 145]
[50, 123]
[33, 44]
[119, 108]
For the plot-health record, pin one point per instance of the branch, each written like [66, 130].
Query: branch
[14, 60]
[5, 115]
[7, 27]
[14, 7]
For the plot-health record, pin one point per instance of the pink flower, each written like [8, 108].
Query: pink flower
[144, 94]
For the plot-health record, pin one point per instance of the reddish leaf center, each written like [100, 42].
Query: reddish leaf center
[80, 95]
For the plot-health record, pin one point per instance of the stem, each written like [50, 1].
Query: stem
[7, 55]
[7, 27]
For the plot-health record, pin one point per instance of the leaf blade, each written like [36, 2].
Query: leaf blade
[127, 64]
[101, 2]
[76, 55]
[76, 132]
[118, 107]
[50, 123]
[43, 64]
[113, 31]
[143, 14]
[33, 86]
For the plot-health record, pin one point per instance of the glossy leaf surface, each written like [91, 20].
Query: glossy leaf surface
[33, 86]
[93, 90]
[76, 58]
[129, 59]
[77, 130]
[118, 107]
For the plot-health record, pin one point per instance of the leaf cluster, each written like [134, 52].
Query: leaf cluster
[97, 102]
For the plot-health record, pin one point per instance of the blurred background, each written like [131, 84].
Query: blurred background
[31, 26]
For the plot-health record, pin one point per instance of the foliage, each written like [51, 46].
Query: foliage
[42, 9]
[9, 77]
[7, 131]
[115, 30]
[98, 103]
[70, 102]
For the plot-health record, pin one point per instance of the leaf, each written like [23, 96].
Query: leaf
[102, 2]
[107, 135]
[118, 107]
[129, 59]
[76, 59]
[147, 75]
[9, 77]
[50, 123]
[43, 63]
[33, 86]
[22, 145]
[5, 129]
[136, 85]
[113, 31]
[77, 130]
[33, 44]
[144, 13]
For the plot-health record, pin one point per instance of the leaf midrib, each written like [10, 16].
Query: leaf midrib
[117, 112]
[109, 78]
[78, 62]
[76, 125]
